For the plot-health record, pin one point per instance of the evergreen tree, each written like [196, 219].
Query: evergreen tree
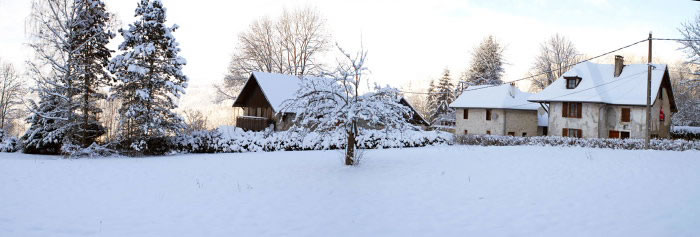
[430, 102]
[487, 64]
[69, 40]
[150, 80]
[46, 132]
[89, 39]
[440, 99]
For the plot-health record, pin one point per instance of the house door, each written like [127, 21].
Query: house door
[614, 134]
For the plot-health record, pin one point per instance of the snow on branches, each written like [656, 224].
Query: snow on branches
[150, 78]
[335, 104]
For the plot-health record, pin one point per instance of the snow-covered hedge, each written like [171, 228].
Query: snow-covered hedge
[9, 143]
[231, 139]
[628, 144]
[685, 132]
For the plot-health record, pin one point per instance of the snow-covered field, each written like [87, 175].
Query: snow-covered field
[432, 191]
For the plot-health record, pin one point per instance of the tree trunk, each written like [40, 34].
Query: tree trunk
[350, 149]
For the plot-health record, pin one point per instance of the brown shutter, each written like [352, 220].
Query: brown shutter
[579, 108]
[579, 133]
[564, 132]
[565, 109]
[466, 114]
[625, 115]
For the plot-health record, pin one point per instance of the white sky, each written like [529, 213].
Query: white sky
[408, 41]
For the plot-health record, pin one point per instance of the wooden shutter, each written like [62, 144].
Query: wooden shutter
[564, 132]
[565, 109]
[613, 134]
[625, 114]
[579, 108]
[579, 133]
[466, 114]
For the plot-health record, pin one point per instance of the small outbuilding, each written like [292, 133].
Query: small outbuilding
[497, 110]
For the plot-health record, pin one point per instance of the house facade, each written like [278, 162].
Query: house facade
[263, 98]
[608, 101]
[496, 110]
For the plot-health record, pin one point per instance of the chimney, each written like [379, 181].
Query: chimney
[619, 64]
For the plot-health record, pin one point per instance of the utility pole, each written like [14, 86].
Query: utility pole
[648, 122]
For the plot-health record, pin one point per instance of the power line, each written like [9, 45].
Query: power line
[540, 74]
[691, 40]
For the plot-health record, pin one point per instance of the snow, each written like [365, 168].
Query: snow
[542, 118]
[686, 129]
[494, 97]
[277, 88]
[599, 85]
[432, 191]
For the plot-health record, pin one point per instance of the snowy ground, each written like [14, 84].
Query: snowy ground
[434, 191]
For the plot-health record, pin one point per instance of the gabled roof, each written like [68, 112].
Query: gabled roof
[494, 97]
[417, 115]
[275, 87]
[599, 85]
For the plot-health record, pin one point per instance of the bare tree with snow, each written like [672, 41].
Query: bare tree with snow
[290, 44]
[555, 55]
[68, 38]
[12, 90]
[691, 32]
[336, 105]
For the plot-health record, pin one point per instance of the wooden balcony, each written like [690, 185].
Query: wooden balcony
[252, 123]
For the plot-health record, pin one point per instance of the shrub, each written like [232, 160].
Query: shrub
[627, 144]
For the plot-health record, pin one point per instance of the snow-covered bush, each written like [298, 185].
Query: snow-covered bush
[92, 151]
[685, 132]
[230, 139]
[627, 144]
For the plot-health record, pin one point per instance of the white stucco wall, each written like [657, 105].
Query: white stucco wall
[588, 122]
[502, 122]
[598, 119]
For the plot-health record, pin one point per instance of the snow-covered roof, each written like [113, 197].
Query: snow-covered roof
[494, 97]
[276, 87]
[599, 85]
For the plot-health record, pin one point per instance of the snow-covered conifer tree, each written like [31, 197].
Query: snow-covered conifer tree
[150, 79]
[335, 104]
[441, 97]
[88, 41]
[69, 40]
[487, 64]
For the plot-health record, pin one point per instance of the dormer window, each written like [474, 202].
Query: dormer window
[572, 82]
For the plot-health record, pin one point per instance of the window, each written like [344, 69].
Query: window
[488, 132]
[625, 117]
[488, 114]
[571, 132]
[572, 82]
[624, 135]
[511, 134]
[571, 110]
[466, 132]
[524, 134]
[466, 114]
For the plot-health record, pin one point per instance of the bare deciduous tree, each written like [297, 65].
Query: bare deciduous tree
[335, 105]
[289, 45]
[196, 120]
[555, 55]
[12, 90]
